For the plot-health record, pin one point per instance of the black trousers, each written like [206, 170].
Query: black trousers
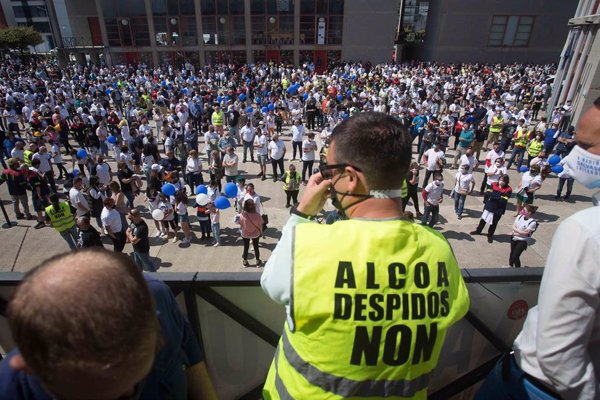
[307, 166]
[493, 226]
[291, 195]
[414, 196]
[310, 119]
[247, 247]
[296, 145]
[275, 164]
[516, 248]
[119, 241]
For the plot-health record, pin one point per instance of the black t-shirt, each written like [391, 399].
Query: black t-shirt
[234, 117]
[125, 174]
[90, 238]
[140, 231]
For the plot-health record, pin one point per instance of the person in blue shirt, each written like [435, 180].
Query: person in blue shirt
[418, 127]
[466, 138]
[550, 138]
[89, 325]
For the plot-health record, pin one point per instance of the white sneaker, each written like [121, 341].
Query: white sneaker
[163, 236]
[216, 245]
[175, 239]
[158, 234]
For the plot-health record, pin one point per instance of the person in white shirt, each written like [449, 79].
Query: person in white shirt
[469, 159]
[193, 171]
[230, 162]
[434, 160]
[247, 132]
[522, 230]
[490, 160]
[495, 171]
[45, 167]
[297, 136]
[57, 159]
[464, 184]
[111, 221]
[18, 151]
[531, 182]
[103, 171]
[309, 146]
[251, 194]
[277, 152]
[433, 196]
[77, 199]
[262, 152]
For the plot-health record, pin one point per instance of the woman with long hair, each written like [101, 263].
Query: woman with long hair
[251, 228]
[193, 170]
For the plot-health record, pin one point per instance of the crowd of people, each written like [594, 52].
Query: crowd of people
[117, 135]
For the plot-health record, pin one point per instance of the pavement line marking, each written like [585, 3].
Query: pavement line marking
[19, 251]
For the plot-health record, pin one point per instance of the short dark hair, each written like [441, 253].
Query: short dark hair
[60, 326]
[376, 143]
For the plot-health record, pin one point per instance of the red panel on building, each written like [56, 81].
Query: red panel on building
[94, 24]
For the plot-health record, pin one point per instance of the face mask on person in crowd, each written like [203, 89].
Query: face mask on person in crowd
[437, 182]
[584, 167]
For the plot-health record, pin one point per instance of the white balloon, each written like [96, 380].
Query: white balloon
[158, 214]
[202, 199]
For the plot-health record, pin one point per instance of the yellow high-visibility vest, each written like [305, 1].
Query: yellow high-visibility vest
[61, 218]
[521, 138]
[369, 315]
[404, 190]
[27, 154]
[288, 177]
[534, 147]
[497, 122]
[217, 118]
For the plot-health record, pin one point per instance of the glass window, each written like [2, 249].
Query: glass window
[208, 7]
[307, 30]
[336, 7]
[160, 28]
[108, 9]
[334, 30]
[259, 56]
[222, 7]
[258, 30]
[307, 6]
[188, 28]
[159, 7]
[236, 7]
[140, 30]
[209, 27]
[510, 31]
[30, 11]
[186, 7]
[238, 29]
[257, 7]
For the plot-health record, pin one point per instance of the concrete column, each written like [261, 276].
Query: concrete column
[569, 75]
[198, 9]
[560, 73]
[151, 31]
[297, 33]
[248, 27]
[102, 24]
[581, 64]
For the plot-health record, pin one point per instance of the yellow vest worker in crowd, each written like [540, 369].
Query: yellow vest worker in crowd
[368, 299]
[61, 218]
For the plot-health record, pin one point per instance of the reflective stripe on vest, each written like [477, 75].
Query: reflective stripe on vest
[61, 219]
[387, 293]
[404, 190]
[521, 139]
[217, 118]
[535, 147]
[27, 154]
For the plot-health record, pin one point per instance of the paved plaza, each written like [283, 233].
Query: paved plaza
[23, 247]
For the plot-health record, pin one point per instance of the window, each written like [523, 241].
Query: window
[42, 27]
[511, 30]
[30, 11]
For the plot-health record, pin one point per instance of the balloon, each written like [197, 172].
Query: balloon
[271, 106]
[557, 169]
[258, 100]
[81, 153]
[222, 203]
[219, 99]
[202, 199]
[345, 76]
[115, 85]
[108, 91]
[75, 172]
[163, 83]
[555, 159]
[242, 97]
[340, 97]
[168, 189]
[345, 116]
[231, 190]
[184, 91]
[249, 110]
[305, 96]
[227, 98]
[523, 169]
[158, 214]
[349, 92]
[201, 189]
[112, 139]
[264, 110]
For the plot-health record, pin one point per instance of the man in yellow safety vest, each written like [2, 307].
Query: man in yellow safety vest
[368, 316]
[61, 218]
[217, 120]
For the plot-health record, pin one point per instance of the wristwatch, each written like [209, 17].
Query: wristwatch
[295, 211]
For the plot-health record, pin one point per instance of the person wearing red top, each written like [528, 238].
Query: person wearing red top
[251, 227]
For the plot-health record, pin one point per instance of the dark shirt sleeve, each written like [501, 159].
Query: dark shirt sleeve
[142, 231]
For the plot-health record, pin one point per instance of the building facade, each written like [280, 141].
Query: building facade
[212, 31]
[495, 31]
[577, 79]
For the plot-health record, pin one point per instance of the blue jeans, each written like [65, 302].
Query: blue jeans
[216, 231]
[70, 236]
[459, 203]
[144, 261]
[250, 146]
[434, 211]
[519, 153]
[508, 381]
[104, 148]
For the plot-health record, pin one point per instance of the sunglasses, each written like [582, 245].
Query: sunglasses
[327, 170]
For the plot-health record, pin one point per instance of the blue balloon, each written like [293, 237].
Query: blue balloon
[557, 169]
[81, 153]
[271, 107]
[249, 110]
[163, 83]
[523, 169]
[345, 76]
[242, 97]
[75, 172]
[340, 97]
[231, 190]
[192, 78]
[108, 91]
[222, 202]
[112, 139]
[345, 116]
[349, 92]
[115, 85]
[555, 159]
[227, 98]
[201, 189]
[305, 96]
[168, 189]
[258, 100]
[219, 99]
[264, 110]
[184, 91]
